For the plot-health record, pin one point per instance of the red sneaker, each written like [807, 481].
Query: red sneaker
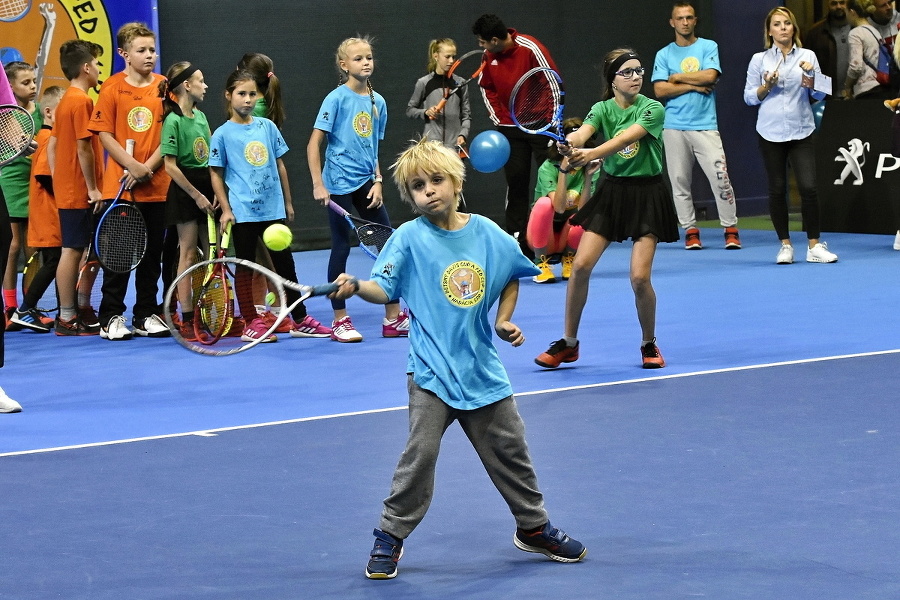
[692, 239]
[732, 239]
[559, 352]
[651, 356]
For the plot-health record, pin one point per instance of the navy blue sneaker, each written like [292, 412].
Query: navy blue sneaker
[384, 556]
[551, 542]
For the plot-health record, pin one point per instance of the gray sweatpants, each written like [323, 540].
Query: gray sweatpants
[498, 436]
[704, 147]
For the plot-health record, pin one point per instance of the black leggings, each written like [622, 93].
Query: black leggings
[802, 157]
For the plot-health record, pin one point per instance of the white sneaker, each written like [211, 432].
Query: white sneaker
[820, 254]
[343, 330]
[7, 404]
[152, 326]
[115, 330]
[785, 255]
[897, 241]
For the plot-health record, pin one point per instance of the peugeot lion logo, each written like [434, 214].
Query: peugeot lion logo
[854, 156]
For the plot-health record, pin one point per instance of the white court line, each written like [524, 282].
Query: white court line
[214, 432]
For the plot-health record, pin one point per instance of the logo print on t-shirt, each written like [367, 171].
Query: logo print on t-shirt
[629, 151]
[463, 283]
[256, 153]
[690, 65]
[140, 119]
[362, 124]
[201, 149]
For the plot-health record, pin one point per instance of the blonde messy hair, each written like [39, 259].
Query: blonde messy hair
[429, 156]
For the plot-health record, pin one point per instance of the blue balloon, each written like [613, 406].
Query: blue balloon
[818, 109]
[489, 151]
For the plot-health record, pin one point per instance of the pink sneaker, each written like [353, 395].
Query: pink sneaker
[310, 328]
[343, 330]
[256, 329]
[399, 327]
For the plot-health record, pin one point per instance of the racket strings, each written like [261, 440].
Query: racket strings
[372, 237]
[211, 312]
[13, 9]
[16, 130]
[536, 102]
[122, 238]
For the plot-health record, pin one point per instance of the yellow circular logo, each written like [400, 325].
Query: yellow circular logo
[201, 149]
[572, 198]
[140, 119]
[690, 65]
[256, 153]
[629, 151]
[362, 124]
[463, 283]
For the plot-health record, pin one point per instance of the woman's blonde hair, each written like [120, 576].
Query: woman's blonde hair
[786, 12]
[429, 156]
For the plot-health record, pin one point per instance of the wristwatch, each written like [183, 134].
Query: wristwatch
[378, 179]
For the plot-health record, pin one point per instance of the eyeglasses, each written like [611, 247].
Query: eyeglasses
[629, 73]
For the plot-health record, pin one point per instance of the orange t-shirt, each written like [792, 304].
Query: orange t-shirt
[43, 218]
[129, 112]
[73, 114]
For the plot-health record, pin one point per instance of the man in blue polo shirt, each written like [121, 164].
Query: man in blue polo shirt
[684, 78]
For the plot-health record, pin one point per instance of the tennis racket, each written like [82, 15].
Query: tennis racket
[372, 236]
[16, 132]
[121, 237]
[537, 102]
[214, 300]
[239, 272]
[470, 62]
[48, 301]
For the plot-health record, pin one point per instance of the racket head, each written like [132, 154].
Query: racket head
[13, 10]
[121, 237]
[240, 275]
[372, 236]
[537, 102]
[48, 301]
[468, 66]
[16, 132]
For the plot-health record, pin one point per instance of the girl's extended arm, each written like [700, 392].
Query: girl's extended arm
[506, 329]
[314, 160]
[286, 190]
[348, 285]
[216, 175]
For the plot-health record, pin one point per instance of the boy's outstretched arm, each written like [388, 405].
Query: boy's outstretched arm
[506, 329]
[348, 285]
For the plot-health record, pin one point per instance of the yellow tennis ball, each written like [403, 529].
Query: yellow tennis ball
[277, 237]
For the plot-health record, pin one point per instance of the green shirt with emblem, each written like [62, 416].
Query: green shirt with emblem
[187, 139]
[642, 158]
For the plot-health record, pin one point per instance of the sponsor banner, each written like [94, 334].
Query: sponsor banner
[32, 32]
[858, 177]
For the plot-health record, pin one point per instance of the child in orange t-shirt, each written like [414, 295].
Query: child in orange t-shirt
[130, 108]
[76, 163]
[43, 221]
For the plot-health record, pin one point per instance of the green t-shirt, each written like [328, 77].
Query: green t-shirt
[642, 158]
[187, 139]
[15, 176]
[548, 177]
[261, 107]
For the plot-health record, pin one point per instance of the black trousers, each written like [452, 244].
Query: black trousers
[523, 149]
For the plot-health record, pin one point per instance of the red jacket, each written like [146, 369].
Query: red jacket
[504, 69]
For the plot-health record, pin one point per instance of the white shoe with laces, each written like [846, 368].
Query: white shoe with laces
[897, 240]
[343, 330]
[152, 326]
[785, 255]
[7, 404]
[116, 330]
[820, 254]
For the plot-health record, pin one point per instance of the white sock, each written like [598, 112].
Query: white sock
[571, 342]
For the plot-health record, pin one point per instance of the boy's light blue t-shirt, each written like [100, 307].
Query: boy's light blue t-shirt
[693, 111]
[248, 154]
[353, 135]
[450, 280]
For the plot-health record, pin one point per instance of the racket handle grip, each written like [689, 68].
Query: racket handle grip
[324, 289]
[439, 107]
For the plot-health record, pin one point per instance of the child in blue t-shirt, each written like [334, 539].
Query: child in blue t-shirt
[451, 268]
[251, 185]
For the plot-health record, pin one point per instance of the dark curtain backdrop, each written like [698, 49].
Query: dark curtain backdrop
[301, 37]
